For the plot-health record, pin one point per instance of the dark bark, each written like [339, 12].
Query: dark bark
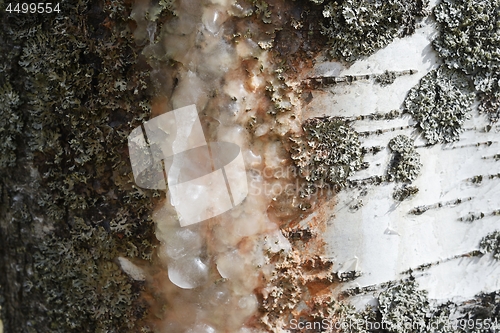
[71, 89]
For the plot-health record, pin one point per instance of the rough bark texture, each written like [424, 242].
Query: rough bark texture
[72, 87]
[73, 84]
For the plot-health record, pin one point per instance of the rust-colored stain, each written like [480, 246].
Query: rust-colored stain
[302, 276]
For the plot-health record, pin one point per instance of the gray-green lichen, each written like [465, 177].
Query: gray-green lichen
[491, 244]
[358, 28]
[405, 164]
[479, 314]
[65, 177]
[386, 78]
[404, 308]
[469, 41]
[404, 192]
[263, 10]
[402, 305]
[10, 124]
[328, 152]
[352, 320]
[80, 275]
[440, 104]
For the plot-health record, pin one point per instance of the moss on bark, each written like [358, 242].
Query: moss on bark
[72, 87]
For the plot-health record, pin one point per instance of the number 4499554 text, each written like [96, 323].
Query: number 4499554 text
[24, 8]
